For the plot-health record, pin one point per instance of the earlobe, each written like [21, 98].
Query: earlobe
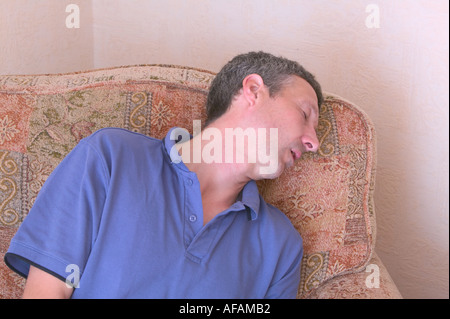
[251, 87]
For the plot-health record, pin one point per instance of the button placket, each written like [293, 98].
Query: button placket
[192, 217]
[193, 207]
[200, 239]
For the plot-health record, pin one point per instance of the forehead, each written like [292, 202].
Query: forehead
[296, 86]
[300, 91]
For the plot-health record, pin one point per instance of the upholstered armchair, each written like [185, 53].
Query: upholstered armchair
[328, 196]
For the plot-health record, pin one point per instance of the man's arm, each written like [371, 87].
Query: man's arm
[42, 285]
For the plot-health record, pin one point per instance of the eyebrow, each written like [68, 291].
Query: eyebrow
[314, 108]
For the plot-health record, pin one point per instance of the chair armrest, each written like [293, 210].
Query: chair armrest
[360, 285]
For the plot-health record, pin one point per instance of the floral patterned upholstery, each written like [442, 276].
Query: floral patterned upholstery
[328, 196]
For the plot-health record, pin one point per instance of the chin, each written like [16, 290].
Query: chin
[270, 173]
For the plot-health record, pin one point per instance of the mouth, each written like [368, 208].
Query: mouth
[296, 154]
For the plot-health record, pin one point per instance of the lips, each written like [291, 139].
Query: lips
[296, 154]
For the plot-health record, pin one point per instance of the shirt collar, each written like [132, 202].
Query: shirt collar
[251, 199]
[174, 135]
[249, 196]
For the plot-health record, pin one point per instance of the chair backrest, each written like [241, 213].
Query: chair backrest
[328, 196]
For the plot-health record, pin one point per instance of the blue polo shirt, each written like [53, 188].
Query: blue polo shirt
[118, 218]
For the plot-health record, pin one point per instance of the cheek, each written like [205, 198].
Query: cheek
[296, 126]
[290, 134]
[293, 123]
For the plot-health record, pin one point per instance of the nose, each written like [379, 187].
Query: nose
[310, 142]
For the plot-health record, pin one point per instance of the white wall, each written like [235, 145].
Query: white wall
[398, 73]
[34, 38]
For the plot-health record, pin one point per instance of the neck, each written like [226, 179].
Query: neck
[220, 183]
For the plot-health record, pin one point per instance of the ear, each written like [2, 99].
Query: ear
[252, 87]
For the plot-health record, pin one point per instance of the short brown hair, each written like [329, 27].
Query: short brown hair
[273, 70]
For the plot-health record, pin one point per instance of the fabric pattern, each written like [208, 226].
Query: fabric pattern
[354, 286]
[328, 195]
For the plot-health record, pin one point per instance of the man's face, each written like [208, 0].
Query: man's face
[294, 112]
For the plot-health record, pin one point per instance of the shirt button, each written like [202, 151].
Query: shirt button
[189, 182]
[192, 218]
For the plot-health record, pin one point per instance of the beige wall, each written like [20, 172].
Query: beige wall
[34, 37]
[398, 73]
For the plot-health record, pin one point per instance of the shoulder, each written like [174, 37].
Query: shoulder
[119, 135]
[113, 140]
[117, 145]
[279, 224]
